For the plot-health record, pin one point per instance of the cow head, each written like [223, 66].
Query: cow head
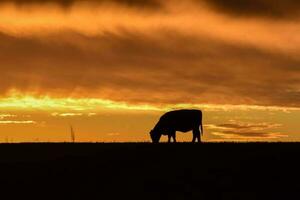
[155, 136]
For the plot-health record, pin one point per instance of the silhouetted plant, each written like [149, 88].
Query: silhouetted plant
[72, 134]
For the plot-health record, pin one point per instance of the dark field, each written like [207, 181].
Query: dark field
[147, 171]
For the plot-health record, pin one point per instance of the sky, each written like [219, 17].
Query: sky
[111, 68]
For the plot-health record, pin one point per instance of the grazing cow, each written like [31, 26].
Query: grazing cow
[178, 120]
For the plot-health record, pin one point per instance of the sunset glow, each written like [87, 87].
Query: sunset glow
[111, 68]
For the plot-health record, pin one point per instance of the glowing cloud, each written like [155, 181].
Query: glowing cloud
[66, 114]
[17, 122]
[18, 101]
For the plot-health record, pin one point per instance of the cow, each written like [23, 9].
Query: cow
[178, 120]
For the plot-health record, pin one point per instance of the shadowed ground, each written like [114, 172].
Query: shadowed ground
[147, 171]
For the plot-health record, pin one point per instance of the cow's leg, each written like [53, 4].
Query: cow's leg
[194, 137]
[174, 136]
[196, 134]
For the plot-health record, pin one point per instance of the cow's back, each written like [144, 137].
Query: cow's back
[181, 120]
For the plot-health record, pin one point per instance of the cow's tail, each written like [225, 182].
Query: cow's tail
[201, 124]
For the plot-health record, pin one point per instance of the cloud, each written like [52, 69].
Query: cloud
[66, 114]
[138, 68]
[257, 8]
[68, 3]
[237, 8]
[182, 16]
[17, 122]
[2, 116]
[56, 114]
[92, 114]
[113, 134]
[236, 135]
[245, 126]
[183, 54]
[239, 130]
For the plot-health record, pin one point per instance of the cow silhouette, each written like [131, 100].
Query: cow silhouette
[178, 120]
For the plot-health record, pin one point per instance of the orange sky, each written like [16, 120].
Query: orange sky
[111, 68]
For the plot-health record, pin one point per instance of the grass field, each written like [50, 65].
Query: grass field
[147, 171]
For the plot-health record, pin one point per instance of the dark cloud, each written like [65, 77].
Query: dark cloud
[245, 126]
[249, 134]
[239, 8]
[139, 68]
[245, 130]
[68, 3]
[257, 8]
